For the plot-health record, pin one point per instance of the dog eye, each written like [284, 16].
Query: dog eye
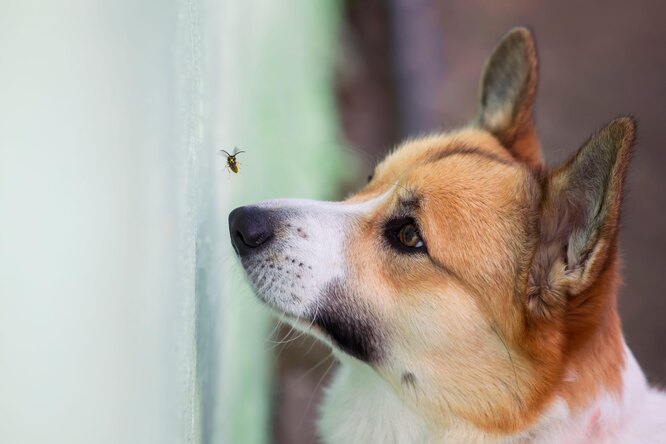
[403, 235]
[370, 177]
[409, 236]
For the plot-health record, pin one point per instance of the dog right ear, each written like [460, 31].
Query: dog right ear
[508, 89]
[580, 214]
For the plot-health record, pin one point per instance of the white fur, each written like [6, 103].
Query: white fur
[299, 252]
[360, 407]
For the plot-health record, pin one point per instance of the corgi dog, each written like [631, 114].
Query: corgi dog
[468, 292]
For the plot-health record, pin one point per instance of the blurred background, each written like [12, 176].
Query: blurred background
[124, 316]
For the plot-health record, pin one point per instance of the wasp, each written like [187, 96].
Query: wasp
[232, 163]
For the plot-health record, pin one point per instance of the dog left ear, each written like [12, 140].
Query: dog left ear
[508, 90]
[580, 216]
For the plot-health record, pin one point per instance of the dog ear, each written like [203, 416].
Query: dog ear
[508, 89]
[579, 218]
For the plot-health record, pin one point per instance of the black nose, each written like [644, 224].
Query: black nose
[249, 227]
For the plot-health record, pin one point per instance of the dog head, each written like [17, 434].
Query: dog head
[464, 273]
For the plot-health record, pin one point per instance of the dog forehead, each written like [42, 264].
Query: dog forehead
[464, 166]
[435, 147]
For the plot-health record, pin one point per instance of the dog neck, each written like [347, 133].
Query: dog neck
[361, 407]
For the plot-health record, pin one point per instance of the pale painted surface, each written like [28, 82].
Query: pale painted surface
[117, 322]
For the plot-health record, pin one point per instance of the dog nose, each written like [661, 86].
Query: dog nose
[249, 227]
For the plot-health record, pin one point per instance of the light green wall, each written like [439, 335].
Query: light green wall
[277, 104]
[125, 317]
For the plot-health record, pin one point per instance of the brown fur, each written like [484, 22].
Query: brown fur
[518, 287]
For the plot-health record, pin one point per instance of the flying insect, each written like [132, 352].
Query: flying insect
[232, 163]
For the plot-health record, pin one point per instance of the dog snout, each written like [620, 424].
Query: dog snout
[250, 228]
